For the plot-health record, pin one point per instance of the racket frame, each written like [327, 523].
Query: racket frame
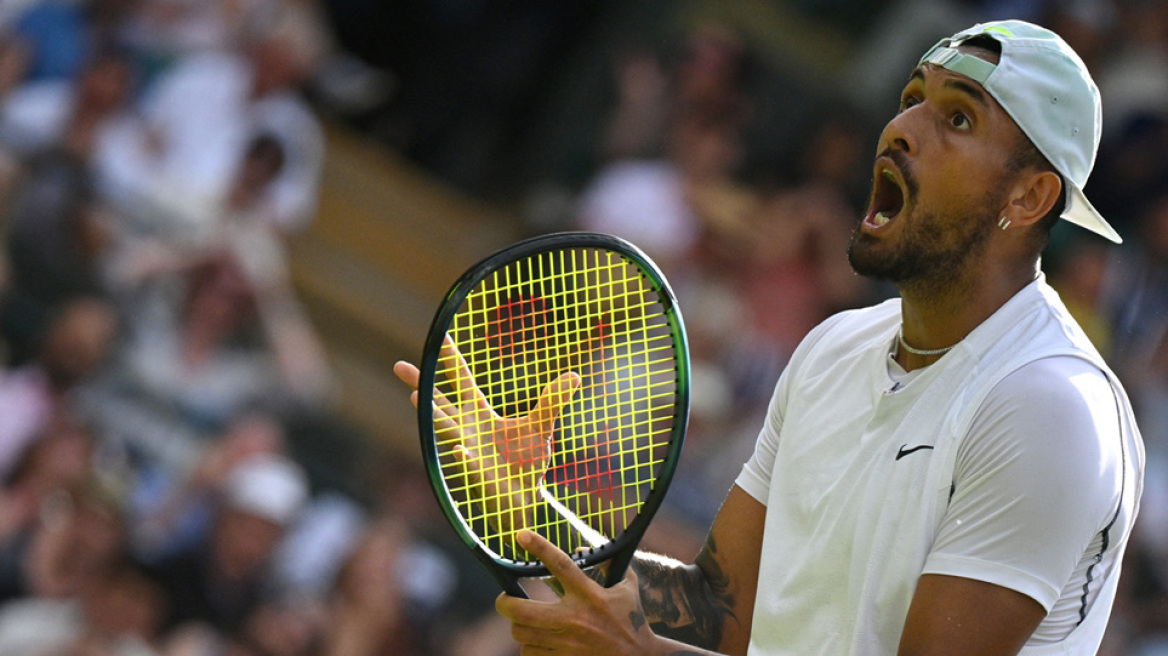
[619, 551]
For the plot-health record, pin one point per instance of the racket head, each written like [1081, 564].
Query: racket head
[592, 304]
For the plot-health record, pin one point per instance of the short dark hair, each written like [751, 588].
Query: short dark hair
[983, 41]
[1026, 156]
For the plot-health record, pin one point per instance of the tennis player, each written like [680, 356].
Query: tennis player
[952, 472]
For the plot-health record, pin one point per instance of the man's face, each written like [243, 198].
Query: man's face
[939, 185]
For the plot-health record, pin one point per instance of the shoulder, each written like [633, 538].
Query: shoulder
[850, 332]
[1058, 390]
[869, 324]
[1057, 415]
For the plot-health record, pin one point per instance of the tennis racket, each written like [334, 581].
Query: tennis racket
[553, 395]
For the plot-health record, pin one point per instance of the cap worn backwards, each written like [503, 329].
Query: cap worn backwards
[1046, 88]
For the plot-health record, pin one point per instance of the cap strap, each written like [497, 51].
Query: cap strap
[975, 68]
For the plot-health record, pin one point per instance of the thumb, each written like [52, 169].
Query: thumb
[552, 401]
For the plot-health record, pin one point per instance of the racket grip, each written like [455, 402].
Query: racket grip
[510, 584]
[618, 565]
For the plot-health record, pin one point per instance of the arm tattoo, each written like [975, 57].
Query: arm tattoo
[637, 618]
[687, 603]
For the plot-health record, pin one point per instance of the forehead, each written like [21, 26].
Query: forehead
[946, 79]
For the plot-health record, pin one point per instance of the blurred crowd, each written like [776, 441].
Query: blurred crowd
[173, 480]
[173, 477]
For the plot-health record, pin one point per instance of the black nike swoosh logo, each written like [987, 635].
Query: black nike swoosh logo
[902, 452]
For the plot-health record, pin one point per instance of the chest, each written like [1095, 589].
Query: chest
[856, 449]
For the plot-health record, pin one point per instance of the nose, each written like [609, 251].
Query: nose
[900, 133]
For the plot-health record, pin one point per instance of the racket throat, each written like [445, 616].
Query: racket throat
[594, 538]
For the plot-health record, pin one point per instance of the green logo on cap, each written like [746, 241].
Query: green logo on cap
[1000, 30]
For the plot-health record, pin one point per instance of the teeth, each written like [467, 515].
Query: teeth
[888, 174]
[879, 219]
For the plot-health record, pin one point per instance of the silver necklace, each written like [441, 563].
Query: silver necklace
[917, 351]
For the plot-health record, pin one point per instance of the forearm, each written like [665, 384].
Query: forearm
[689, 603]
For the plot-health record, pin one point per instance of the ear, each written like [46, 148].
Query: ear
[1036, 192]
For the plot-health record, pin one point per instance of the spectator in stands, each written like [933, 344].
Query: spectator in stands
[69, 346]
[165, 31]
[88, 532]
[218, 584]
[69, 114]
[55, 242]
[55, 38]
[209, 343]
[369, 613]
[118, 613]
[199, 117]
[657, 199]
[59, 526]
[174, 505]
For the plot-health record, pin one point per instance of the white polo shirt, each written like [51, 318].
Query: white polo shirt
[1013, 459]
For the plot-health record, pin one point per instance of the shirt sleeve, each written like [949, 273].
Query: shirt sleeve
[1037, 478]
[755, 477]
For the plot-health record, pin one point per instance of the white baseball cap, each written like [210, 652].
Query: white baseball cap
[1046, 88]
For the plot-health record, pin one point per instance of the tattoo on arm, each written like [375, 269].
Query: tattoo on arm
[687, 603]
[637, 618]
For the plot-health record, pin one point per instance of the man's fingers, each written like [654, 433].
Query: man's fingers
[407, 372]
[559, 564]
[555, 396]
[410, 375]
[470, 464]
[457, 371]
[442, 403]
[446, 414]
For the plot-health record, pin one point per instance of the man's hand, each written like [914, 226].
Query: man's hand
[588, 619]
[505, 459]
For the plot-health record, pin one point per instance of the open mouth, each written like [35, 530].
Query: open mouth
[887, 198]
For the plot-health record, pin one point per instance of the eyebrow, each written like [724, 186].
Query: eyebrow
[975, 92]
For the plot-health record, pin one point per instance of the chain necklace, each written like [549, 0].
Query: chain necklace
[917, 351]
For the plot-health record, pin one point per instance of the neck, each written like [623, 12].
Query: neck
[933, 318]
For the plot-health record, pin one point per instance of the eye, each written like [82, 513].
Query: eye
[908, 101]
[959, 121]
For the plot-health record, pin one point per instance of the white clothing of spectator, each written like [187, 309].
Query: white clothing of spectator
[642, 201]
[180, 157]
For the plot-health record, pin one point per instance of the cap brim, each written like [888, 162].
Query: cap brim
[1082, 213]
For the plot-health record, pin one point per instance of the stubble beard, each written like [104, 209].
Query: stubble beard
[933, 256]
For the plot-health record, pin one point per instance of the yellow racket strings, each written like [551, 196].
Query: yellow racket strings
[586, 311]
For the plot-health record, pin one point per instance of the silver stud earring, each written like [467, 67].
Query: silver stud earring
[1004, 223]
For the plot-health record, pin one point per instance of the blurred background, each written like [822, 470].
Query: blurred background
[224, 220]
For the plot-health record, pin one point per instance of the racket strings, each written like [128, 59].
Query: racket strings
[590, 312]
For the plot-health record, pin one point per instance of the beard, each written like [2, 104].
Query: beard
[933, 252]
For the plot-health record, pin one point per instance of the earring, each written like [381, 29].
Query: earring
[1004, 223]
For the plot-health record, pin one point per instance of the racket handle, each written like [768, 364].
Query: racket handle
[510, 584]
[618, 565]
